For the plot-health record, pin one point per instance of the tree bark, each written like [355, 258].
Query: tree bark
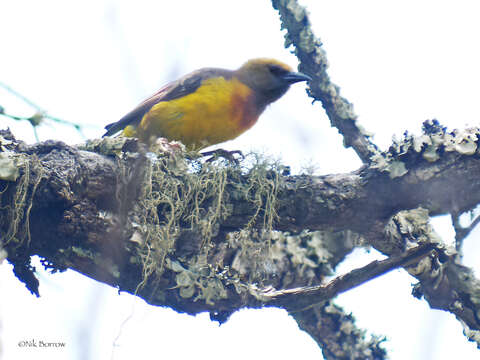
[79, 209]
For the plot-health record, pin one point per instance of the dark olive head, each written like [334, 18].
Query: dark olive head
[269, 78]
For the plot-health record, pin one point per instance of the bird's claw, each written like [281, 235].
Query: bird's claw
[222, 153]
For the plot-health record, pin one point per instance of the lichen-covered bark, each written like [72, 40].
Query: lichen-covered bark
[91, 211]
[337, 335]
[313, 61]
[430, 147]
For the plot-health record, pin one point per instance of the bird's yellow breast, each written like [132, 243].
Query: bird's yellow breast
[219, 110]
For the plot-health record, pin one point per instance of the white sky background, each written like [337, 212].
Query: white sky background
[91, 62]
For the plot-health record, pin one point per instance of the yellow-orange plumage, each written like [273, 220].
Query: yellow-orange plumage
[209, 106]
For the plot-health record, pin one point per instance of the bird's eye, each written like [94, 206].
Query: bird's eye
[277, 70]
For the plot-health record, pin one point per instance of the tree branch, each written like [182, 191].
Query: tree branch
[200, 240]
[443, 281]
[302, 298]
[462, 232]
[313, 62]
[337, 335]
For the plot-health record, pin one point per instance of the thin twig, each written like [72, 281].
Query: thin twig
[40, 114]
[462, 232]
[304, 297]
[22, 97]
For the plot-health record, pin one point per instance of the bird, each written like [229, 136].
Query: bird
[209, 106]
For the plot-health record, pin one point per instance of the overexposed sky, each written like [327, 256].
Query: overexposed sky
[91, 62]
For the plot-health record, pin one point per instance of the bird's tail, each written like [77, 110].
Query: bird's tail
[112, 128]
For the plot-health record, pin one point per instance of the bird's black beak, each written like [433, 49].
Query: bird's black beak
[293, 77]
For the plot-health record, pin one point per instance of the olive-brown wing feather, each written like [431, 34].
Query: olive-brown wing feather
[174, 90]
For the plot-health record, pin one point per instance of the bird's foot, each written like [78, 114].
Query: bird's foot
[221, 153]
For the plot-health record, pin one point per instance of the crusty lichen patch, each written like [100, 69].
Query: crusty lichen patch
[408, 228]
[3, 255]
[309, 254]
[472, 335]
[9, 162]
[434, 141]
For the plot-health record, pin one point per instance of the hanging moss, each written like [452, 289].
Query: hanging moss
[179, 195]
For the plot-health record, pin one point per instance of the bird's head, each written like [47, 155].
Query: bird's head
[269, 78]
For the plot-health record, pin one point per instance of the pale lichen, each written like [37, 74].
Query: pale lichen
[9, 170]
[471, 334]
[397, 169]
[3, 255]
[431, 145]
[205, 283]
[17, 211]
[386, 163]
[180, 198]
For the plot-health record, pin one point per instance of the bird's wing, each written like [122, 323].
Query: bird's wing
[174, 90]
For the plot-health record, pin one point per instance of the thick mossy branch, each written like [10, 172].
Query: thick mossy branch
[199, 237]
